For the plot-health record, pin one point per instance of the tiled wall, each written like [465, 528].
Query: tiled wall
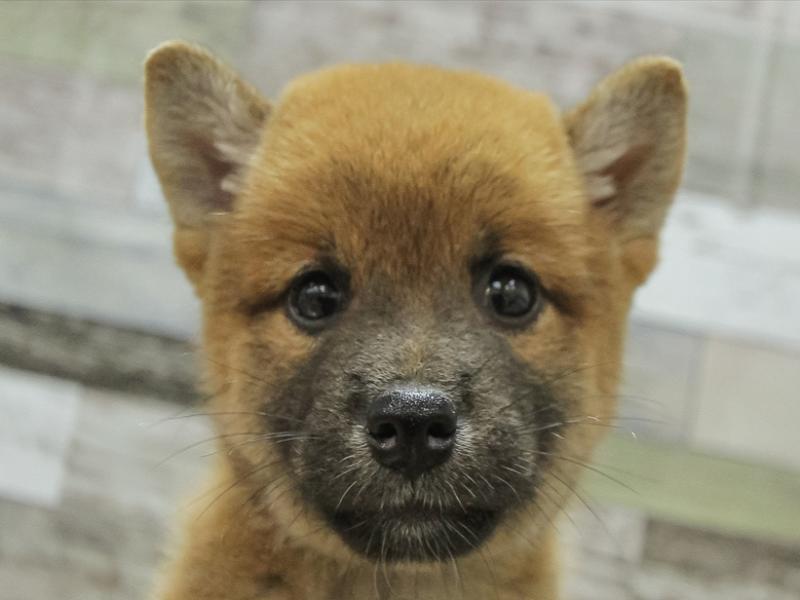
[83, 228]
[69, 72]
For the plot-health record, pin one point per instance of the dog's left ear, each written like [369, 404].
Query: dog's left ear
[629, 140]
[203, 125]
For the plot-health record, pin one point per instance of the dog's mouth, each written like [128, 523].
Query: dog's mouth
[414, 534]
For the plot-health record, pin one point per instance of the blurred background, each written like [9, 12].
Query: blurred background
[96, 323]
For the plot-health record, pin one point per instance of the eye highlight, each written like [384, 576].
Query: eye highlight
[510, 294]
[314, 298]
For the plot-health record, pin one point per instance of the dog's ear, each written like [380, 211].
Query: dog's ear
[203, 125]
[629, 140]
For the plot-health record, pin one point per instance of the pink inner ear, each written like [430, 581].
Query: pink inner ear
[217, 170]
[605, 200]
[620, 172]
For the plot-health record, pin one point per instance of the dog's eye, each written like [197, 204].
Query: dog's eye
[314, 298]
[511, 294]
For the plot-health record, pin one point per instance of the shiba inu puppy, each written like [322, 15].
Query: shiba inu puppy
[415, 285]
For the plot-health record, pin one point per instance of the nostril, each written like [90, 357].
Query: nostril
[440, 435]
[385, 434]
[441, 430]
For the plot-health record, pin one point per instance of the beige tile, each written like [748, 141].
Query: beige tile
[747, 404]
[656, 394]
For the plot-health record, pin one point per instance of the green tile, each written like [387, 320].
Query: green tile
[122, 33]
[698, 490]
[111, 39]
[44, 32]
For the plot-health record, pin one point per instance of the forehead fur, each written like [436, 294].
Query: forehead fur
[398, 167]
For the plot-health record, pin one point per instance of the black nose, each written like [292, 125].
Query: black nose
[411, 429]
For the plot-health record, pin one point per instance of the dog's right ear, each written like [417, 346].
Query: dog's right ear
[203, 125]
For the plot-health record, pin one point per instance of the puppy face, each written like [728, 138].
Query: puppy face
[414, 284]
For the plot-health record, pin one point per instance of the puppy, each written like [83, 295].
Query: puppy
[415, 285]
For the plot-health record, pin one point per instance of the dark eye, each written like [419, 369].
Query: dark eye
[511, 294]
[313, 299]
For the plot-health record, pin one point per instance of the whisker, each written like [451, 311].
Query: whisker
[223, 414]
[580, 497]
[200, 443]
[587, 466]
[231, 487]
[349, 487]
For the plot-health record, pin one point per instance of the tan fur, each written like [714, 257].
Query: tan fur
[395, 166]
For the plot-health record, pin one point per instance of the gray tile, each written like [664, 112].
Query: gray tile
[656, 394]
[285, 39]
[608, 531]
[105, 538]
[716, 555]
[707, 12]
[84, 552]
[70, 133]
[102, 144]
[777, 169]
[96, 354]
[562, 48]
[93, 262]
[657, 582]
[37, 426]
[747, 403]
[716, 264]
[717, 141]
[135, 454]
[744, 9]
[791, 21]
[686, 563]
[601, 549]
[31, 130]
